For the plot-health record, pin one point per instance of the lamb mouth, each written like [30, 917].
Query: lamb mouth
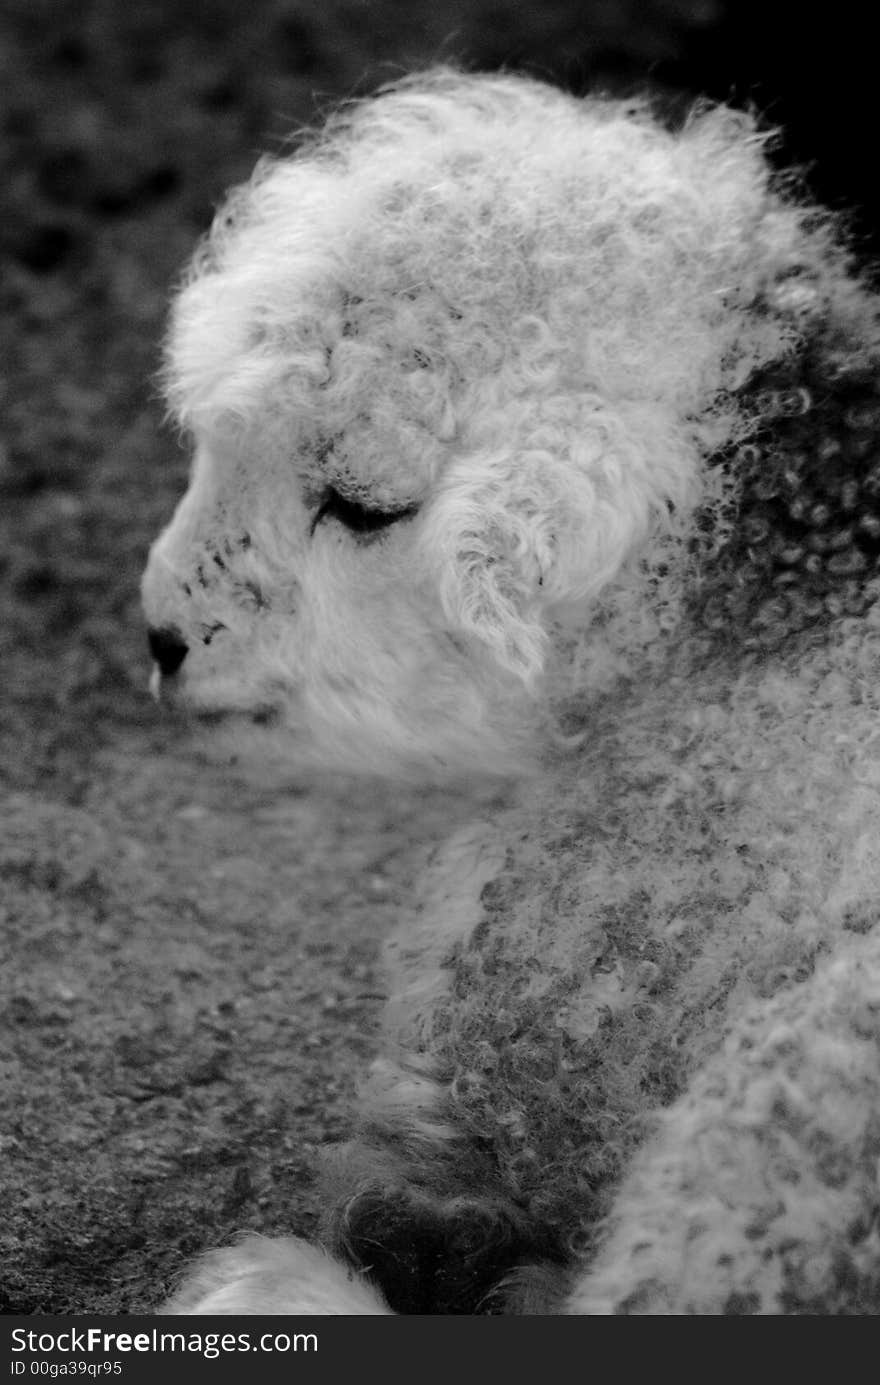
[265, 717]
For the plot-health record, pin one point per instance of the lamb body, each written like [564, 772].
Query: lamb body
[535, 444]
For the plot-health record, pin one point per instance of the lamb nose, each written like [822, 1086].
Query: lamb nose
[168, 650]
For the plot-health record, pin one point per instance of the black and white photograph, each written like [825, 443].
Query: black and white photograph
[439, 662]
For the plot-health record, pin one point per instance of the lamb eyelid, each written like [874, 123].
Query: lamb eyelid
[356, 517]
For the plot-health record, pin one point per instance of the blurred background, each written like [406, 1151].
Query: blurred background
[121, 952]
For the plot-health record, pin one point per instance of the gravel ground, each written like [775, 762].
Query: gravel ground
[187, 959]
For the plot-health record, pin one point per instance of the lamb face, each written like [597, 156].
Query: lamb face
[307, 619]
[454, 374]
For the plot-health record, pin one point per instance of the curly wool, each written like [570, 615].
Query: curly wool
[607, 396]
[548, 303]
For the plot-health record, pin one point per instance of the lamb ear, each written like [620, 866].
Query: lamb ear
[511, 535]
[490, 557]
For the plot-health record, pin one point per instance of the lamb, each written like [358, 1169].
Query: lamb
[536, 455]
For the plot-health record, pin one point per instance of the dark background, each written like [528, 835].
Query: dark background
[187, 974]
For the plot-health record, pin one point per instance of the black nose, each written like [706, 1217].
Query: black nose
[168, 649]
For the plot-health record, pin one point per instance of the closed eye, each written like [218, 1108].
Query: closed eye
[357, 518]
